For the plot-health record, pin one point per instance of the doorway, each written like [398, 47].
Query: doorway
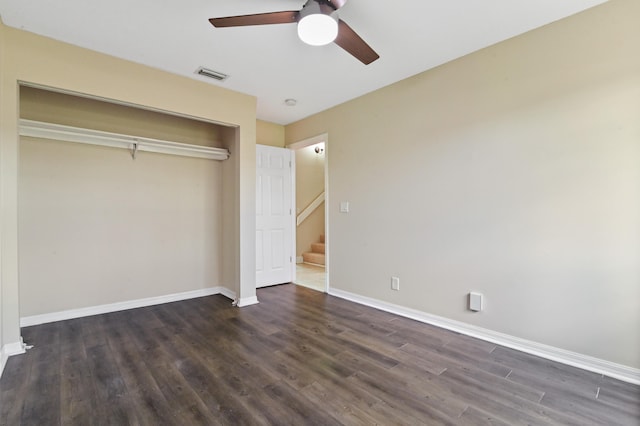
[312, 254]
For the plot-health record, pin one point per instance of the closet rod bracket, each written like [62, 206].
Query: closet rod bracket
[134, 149]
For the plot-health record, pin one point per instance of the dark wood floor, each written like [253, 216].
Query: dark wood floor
[297, 358]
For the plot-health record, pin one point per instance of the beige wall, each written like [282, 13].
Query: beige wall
[98, 227]
[513, 171]
[309, 184]
[46, 62]
[269, 134]
[5, 317]
[52, 107]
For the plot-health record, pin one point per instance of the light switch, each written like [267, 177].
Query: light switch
[344, 207]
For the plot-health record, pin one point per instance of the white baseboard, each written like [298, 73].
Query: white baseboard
[299, 259]
[8, 350]
[229, 294]
[585, 362]
[247, 301]
[121, 306]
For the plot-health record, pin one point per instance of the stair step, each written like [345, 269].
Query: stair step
[317, 248]
[315, 258]
[322, 238]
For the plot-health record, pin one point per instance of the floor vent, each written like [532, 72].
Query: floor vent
[216, 75]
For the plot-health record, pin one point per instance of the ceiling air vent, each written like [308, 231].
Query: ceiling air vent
[216, 75]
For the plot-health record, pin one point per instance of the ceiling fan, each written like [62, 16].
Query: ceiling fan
[318, 24]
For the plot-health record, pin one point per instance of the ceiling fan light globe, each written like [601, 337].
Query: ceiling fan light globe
[318, 29]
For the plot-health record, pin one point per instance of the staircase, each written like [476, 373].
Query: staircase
[316, 255]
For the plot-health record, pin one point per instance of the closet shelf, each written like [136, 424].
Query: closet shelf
[40, 129]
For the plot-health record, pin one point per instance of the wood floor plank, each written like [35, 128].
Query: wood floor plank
[500, 402]
[342, 408]
[471, 346]
[240, 357]
[372, 353]
[428, 331]
[421, 362]
[548, 373]
[71, 341]
[588, 409]
[320, 344]
[366, 326]
[408, 379]
[151, 406]
[215, 394]
[187, 407]
[15, 387]
[624, 396]
[93, 331]
[448, 356]
[476, 417]
[321, 324]
[491, 380]
[298, 357]
[407, 406]
[113, 406]
[42, 404]
[296, 375]
[231, 384]
[387, 347]
[296, 410]
[77, 394]
[316, 363]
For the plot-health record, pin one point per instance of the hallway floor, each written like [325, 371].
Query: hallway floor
[310, 276]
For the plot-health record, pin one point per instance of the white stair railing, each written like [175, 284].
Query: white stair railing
[310, 209]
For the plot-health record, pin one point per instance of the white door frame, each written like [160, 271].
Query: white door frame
[324, 137]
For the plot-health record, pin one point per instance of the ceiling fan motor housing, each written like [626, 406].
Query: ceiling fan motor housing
[318, 6]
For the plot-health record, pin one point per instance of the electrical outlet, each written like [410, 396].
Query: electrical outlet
[395, 283]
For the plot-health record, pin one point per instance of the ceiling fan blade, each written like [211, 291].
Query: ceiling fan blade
[352, 43]
[257, 19]
[336, 4]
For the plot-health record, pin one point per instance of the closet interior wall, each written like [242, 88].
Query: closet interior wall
[99, 227]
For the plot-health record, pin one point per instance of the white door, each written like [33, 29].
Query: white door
[274, 216]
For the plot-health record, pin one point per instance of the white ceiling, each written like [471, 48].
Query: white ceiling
[270, 62]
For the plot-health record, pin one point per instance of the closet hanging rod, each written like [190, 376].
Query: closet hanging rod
[40, 129]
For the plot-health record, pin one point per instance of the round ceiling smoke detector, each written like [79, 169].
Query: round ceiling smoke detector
[290, 102]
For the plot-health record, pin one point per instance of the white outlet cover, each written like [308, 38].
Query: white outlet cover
[395, 283]
[475, 302]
